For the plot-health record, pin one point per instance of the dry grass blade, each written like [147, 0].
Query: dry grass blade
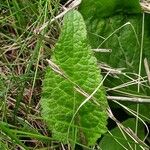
[73, 5]
[147, 69]
[129, 99]
[102, 50]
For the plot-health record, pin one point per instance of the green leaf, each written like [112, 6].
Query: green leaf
[122, 33]
[118, 141]
[144, 112]
[96, 9]
[60, 100]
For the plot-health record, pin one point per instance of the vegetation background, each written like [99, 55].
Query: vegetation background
[27, 37]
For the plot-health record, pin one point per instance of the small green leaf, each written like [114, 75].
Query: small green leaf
[60, 100]
[118, 141]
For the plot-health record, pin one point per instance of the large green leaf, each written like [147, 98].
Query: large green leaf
[144, 111]
[118, 141]
[96, 9]
[122, 22]
[60, 100]
[122, 33]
